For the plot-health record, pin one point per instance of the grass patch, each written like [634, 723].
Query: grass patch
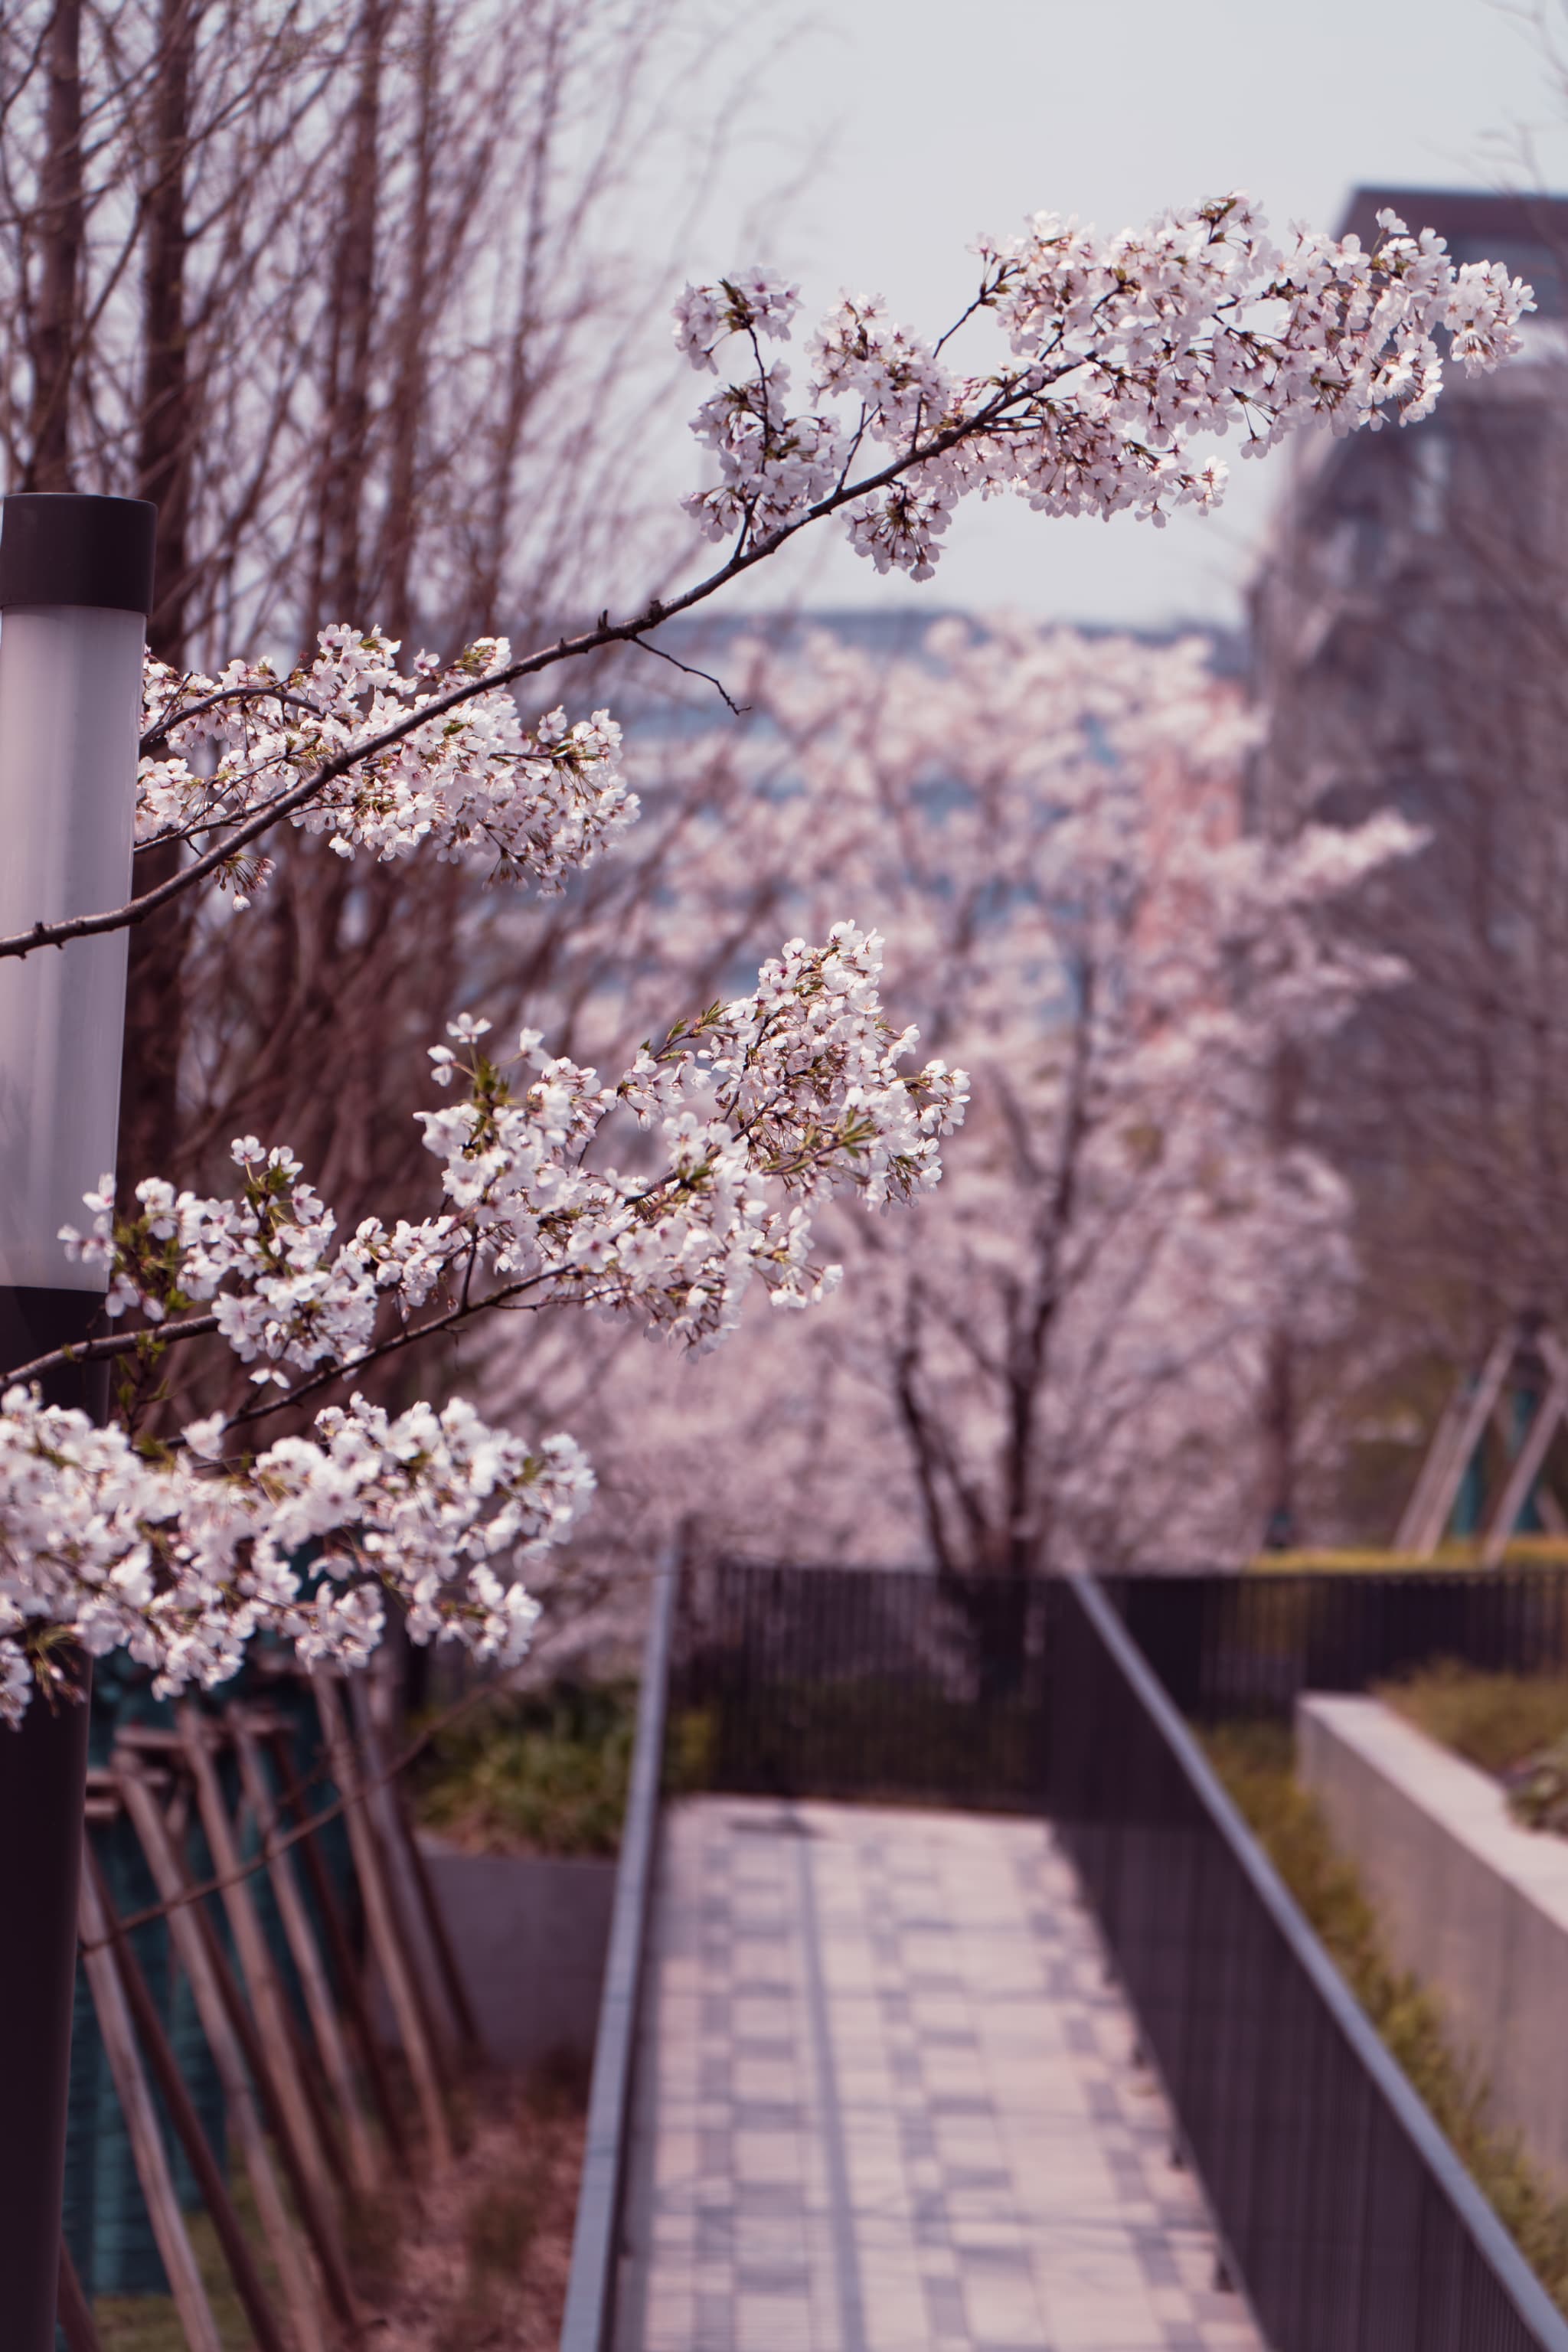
[148, 2322]
[1459, 1554]
[1256, 1763]
[514, 2223]
[534, 1772]
[503, 2221]
[372, 2230]
[1498, 1722]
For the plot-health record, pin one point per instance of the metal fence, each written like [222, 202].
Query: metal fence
[1229, 1644]
[597, 2248]
[1342, 2212]
[876, 1684]
[843, 1682]
[1342, 2209]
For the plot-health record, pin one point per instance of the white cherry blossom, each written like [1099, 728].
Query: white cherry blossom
[181, 1562]
[468, 782]
[756, 1110]
[1118, 352]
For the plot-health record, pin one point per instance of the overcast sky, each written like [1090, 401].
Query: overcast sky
[935, 119]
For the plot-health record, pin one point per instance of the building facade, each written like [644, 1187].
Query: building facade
[1410, 633]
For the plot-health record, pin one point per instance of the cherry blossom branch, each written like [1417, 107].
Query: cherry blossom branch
[1119, 352]
[181, 1562]
[604, 634]
[736, 710]
[764, 1106]
[1151, 325]
[118, 1343]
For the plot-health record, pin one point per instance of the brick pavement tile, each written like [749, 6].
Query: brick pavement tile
[926, 2134]
[945, 2314]
[770, 2323]
[1003, 2308]
[712, 2238]
[767, 2156]
[781, 2279]
[669, 2318]
[713, 2322]
[758, 2113]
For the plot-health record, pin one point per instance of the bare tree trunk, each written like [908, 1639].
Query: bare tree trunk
[60, 232]
[163, 457]
[1280, 1404]
[345, 291]
[1029, 1346]
[337, 586]
[155, 996]
[1280, 1441]
[399, 527]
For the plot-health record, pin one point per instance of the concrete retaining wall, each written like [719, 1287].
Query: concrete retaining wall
[529, 1933]
[1471, 1904]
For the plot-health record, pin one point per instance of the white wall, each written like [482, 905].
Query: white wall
[1468, 1901]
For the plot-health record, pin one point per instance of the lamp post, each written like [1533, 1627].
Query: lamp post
[76, 578]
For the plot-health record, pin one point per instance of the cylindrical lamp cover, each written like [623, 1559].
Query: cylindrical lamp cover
[70, 705]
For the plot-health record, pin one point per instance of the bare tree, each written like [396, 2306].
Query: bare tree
[58, 232]
[345, 294]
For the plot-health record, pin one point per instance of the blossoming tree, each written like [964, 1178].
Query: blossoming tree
[749, 1115]
[1060, 1356]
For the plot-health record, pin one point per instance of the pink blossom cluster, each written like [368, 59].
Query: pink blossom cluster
[1119, 351]
[471, 781]
[759, 1109]
[181, 1561]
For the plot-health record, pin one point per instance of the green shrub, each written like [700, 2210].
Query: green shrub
[1540, 1797]
[535, 1772]
[1498, 1722]
[1256, 1763]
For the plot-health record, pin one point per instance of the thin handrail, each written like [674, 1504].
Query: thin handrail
[591, 2284]
[1534, 2307]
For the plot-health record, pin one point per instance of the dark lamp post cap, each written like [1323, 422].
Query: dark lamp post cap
[58, 548]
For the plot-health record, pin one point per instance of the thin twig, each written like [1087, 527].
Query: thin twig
[738, 708]
[189, 710]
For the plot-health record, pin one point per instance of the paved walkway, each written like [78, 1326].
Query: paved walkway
[887, 2103]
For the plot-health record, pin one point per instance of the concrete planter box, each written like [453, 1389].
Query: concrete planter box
[529, 1933]
[1471, 1904]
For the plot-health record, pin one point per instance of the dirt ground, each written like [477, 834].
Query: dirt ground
[474, 2261]
[484, 2260]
